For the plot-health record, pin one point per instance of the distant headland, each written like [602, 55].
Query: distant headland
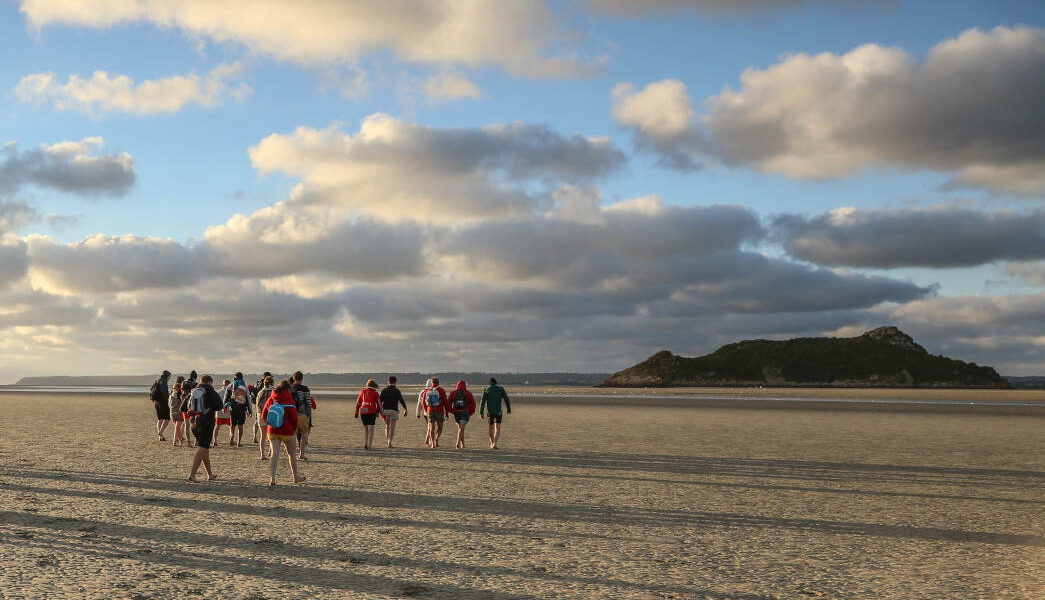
[883, 357]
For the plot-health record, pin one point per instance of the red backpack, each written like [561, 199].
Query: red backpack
[368, 405]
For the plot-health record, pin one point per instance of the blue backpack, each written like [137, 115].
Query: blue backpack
[275, 416]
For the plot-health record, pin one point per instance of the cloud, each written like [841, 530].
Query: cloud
[392, 169]
[15, 214]
[450, 86]
[1032, 273]
[111, 264]
[939, 237]
[13, 261]
[635, 7]
[103, 93]
[72, 167]
[517, 35]
[971, 108]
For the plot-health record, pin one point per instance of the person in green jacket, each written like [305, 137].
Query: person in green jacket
[491, 403]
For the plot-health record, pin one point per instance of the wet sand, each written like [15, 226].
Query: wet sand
[619, 499]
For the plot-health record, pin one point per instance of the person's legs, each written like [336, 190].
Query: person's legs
[292, 447]
[438, 433]
[370, 436]
[389, 424]
[493, 428]
[196, 460]
[262, 440]
[460, 434]
[274, 445]
[206, 464]
[162, 427]
[304, 432]
[429, 426]
[496, 434]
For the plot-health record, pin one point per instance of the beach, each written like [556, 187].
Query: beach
[590, 496]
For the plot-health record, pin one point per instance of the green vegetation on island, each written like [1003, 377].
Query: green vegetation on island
[883, 357]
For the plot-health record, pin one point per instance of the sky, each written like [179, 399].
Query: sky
[501, 185]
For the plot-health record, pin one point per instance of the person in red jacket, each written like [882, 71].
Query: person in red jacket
[462, 403]
[368, 406]
[285, 434]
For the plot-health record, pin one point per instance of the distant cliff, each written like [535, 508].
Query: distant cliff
[884, 357]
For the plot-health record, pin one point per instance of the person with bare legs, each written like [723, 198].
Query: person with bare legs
[160, 396]
[367, 408]
[186, 394]
[268, 384]
[435, 404]
[491, 401]
[223, 417]
[391, 399]
[305, 405]
[422, 412]
[203, 405]
[281, 426]
[259, 426]
[238, 409]
[462, 403]
[181, 430]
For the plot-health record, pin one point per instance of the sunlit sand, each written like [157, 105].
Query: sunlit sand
[611, 500]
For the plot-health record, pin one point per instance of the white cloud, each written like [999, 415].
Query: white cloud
[514, 34]
[103, 93]
[632, 7]
[972, 108]
[450, 86]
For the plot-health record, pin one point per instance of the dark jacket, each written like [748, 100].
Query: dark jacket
[391, 398]
[211, 405]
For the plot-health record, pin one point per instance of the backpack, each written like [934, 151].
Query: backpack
[432, 399]
[240, 395]
[460, 401]
[156, 392]
[368, 405]
[274, 419]
[197, 401]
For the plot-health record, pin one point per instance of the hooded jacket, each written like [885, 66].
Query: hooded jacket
[462, 390]
[290, 413]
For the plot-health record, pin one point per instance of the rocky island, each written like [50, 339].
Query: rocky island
[883, 357]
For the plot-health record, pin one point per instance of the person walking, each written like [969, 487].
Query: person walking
[462, 403]
[368, 405]
[181, 432]
[224, 418]
[239, 409]
[391, 399]
[160, 396]
[268, 384]
[420, 411]
[491, 401]
[435, 406]
[282, 431]
[203, 405]
[305, 404]
[259, 427]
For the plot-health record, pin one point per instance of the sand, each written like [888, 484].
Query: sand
[615, 500]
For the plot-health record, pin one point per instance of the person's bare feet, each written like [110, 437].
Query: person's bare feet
[299, 479]
[191, 479]
[239, 444]
[272, 482]
[161, 438]
[211, 477]
[302, 457]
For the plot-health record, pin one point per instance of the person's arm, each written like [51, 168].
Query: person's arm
[507, 403]
[402, 401]
[482, 402]
[471, 403]
[359, 402]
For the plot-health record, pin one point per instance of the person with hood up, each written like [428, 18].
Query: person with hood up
[159, 393]
[285, 434]
[462, 404]
[492, 398]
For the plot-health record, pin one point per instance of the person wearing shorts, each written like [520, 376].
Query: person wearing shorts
[391, 399]
[368, 406]
[223, 418]
[491, 401]
[286, 434]
[462, 403]
[264, 392]
[181, 432]
[435, 402]
[422, 412]
[159, 394]
[305, 405]
[239, 407]
[203, 426]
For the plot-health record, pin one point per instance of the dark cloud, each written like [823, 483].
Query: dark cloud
[72, 167]
[938, 237]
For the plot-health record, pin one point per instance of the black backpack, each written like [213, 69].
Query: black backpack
[156, 392]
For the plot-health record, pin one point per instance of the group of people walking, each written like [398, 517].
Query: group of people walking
[283, 414]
